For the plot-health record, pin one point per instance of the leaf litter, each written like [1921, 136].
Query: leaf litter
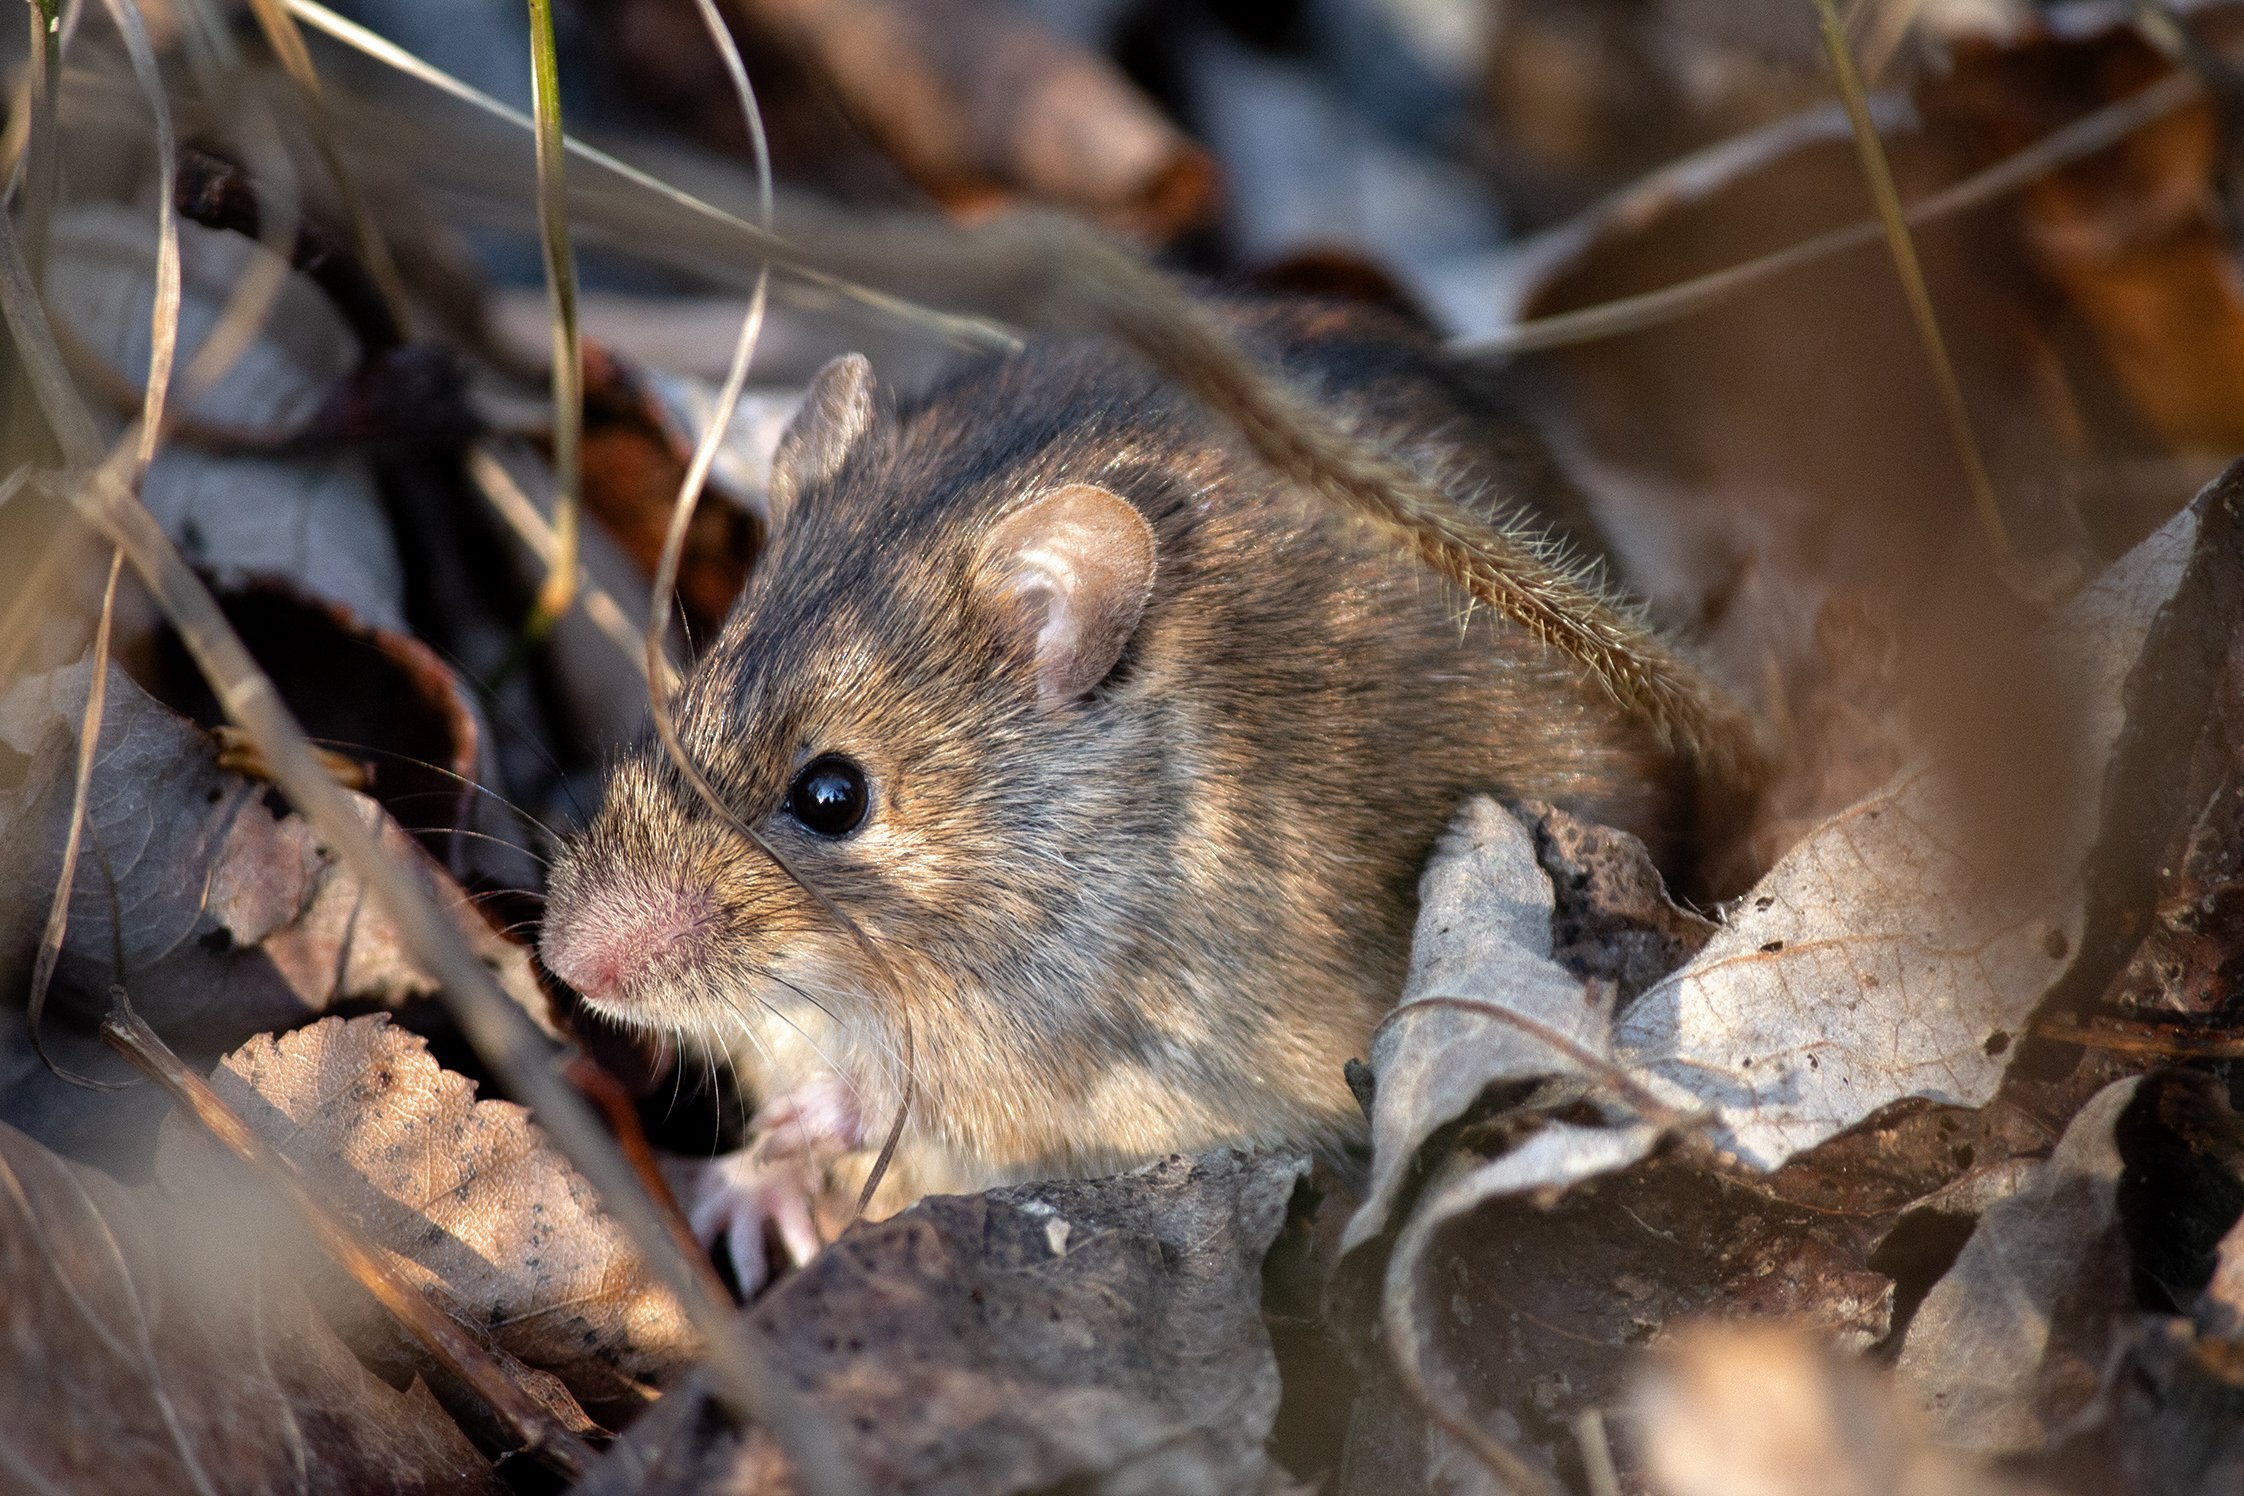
[1592, 1180]
[223, 918]
[1853, 1103]
[157, 1350]
[468, 1192]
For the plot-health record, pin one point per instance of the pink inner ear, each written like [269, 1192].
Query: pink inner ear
[1077, 567]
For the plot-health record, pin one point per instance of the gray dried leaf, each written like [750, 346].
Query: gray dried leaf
[220, 918]
[316, 519]
[2010, 1345]
[1093, 1336]
[1878, 960]
[468, 1191]
[145, 1346]
[1485, 1004]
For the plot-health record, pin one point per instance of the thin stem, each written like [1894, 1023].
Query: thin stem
[559, 592]
[81, 786]
[1879, 172]
[41, 160]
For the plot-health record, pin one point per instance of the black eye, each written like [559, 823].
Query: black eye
[828, 796]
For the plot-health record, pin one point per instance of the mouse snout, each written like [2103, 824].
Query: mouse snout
[608, 943]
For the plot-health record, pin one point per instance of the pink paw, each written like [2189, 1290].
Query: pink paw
[770, 1187]
[742, 1196]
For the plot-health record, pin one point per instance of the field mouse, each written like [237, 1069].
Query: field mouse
[1125, 754]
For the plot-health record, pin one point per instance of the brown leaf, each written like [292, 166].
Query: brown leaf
[146, 1348]
[315, 517]
[467, 1190]
[978, 102]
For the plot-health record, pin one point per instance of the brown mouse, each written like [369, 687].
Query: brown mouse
[1125, 754]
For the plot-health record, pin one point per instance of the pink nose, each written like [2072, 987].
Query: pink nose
[608, 942]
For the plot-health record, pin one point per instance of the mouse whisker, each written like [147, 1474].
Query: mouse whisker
[463, 780]
[539, 858]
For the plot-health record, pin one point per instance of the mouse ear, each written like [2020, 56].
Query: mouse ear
[1074, 569]
[837, 411]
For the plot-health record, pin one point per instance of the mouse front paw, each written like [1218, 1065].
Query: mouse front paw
[746, 1199]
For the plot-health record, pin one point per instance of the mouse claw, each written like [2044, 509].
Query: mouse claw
[744, 1196]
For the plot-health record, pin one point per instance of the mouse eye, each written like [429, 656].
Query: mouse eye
[829, 796]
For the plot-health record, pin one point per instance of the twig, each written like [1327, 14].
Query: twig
[2145, 1039]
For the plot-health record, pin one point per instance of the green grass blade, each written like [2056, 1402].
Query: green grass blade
[559, 591]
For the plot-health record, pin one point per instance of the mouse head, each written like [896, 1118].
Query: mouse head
[917, 707]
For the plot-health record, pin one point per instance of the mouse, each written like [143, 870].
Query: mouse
[1121, 754]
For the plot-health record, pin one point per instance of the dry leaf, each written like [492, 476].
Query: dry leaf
[228, 919]
[2010, 1345]
[1546, 1209]
[146, 1348]
[1881, 959]
[1484, 1005]
[468, 1191]
[1100, 1336]
[314, 518]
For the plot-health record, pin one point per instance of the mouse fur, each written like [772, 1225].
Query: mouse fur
[1149, 912]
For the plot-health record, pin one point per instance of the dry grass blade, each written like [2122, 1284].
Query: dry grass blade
[287, 42]
[560, 586]
[2093, 132]
[966, 332]
[522, 517]
[1904, 250]
[163, 332]
[1598, 1472]
[542, 1434]
[40, 161]
[501, 1033]
[65, 413]
[81, 786]
[19, 623]
[666, 582]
